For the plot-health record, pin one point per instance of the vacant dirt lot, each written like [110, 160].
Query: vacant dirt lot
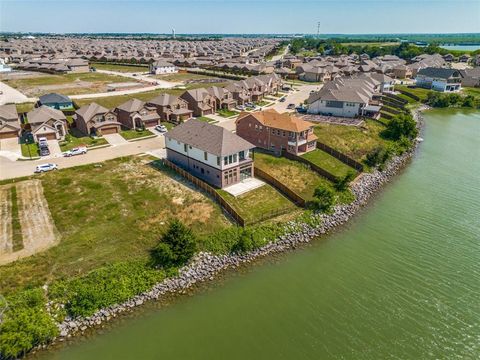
[37, 227]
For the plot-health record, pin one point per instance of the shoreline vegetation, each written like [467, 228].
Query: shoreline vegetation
[68, 308]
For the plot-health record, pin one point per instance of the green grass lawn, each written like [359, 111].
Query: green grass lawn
[75, 139]
[262, 103]
[421, 93]
[259, 203]
[120, 68]
[30, 150]
[296, 176]
[354, 141]
[472, 91]
[108, 213]
[24, 107]
[227, 113]
[168, 125]
[135, 134]
[328, 162]
[206, 119]
[182, 77]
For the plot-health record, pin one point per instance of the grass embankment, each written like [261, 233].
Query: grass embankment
[297, 176]
[354, 141]
[109, 213]
[75, 139]
[328, 162]
[261, 203]
[120, 68]
[135, 134]
[68, 84]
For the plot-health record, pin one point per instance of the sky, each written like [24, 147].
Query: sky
[241, 16]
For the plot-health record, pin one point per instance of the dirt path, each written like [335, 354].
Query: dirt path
[5, 220]
[38, 229]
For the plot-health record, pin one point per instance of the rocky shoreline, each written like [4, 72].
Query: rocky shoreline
[205, 266]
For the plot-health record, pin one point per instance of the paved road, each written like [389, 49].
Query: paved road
[296, 97]
[280, 56]
[11, 169]
[11, 95]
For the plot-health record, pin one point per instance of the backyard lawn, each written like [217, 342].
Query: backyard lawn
[24, 107]
[135, 134]
[120, 68]
[354, 141]
[75, 139]
[421, 93]
[108, 212]
[328, 162]
[296, 176]
[260, 203]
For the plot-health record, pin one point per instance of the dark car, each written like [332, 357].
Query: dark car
[291, 106]
[282, 99]
[301, 109]
[44, 151]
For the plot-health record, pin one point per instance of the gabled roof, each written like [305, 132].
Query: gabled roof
[442, 73]
[90, 110]
[43, 114]
[132, 105]
[164, 100]
[54, 98]
[210, 138]
[8, 112]
[274, 119]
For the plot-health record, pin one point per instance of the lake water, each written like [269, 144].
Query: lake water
[461, 47]
[402, 281]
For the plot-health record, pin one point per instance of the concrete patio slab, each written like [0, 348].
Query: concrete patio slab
[244, 186]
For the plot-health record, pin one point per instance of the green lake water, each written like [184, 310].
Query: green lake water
[401, 281]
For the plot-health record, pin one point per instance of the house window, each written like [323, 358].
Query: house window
[218, 160]
[234, 157]
[225, 160]
[185, 149]
[241, 155]
[205, 156]
[230, 159]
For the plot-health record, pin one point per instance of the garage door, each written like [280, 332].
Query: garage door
[109, 130]
[50, 136]
[151, 123]
[7, 135]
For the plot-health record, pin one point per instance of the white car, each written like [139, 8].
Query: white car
[42, 141]
[161, 128]
[75, 151]
[46, 167]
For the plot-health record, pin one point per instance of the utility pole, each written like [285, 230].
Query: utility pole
[318, 30]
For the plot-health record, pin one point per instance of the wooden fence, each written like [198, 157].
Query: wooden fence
[209, 190]
[290, 194]
[340, 156]
[314, 167]
[409, 94]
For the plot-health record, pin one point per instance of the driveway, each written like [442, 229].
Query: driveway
[115, 139]
[10, 168]
[54, 148]
[10, 148]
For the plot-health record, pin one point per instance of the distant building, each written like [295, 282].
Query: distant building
[210, 153]
[162, 67]
[439, 79]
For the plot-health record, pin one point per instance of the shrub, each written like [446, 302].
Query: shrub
[112, 284]
[176, 247]
[324, 199]
[401, 125]
[25, 324]
[343, 182]
[378, 156]
[244, 243]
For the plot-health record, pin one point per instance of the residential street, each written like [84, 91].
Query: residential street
[11, 169]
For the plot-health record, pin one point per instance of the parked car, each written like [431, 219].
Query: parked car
[75, 151]
[249, 104]
[42, 141]
[161, 128]
[283, 99]
[301, 109]
[46, 167]
[240, 107]
[291, 106]
[44, 151]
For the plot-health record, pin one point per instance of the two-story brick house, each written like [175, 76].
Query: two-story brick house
[210, 153]
[96, 120]
[276, 132]
[200, 101]
[171, 108]
[224, 98]
[135, 114]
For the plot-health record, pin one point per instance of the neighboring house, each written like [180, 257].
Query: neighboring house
[346, 97]
[402, 72]
[223, 97]
[471, 77]
[439, 79]
[200, 101]
[276, 132]
[162, 67]
[9, 122]
[239, 93]
[171, 108]
[135, 114]
[56, 101]
[210, 153]
[47, 122]
[4, 68]
[95, 120]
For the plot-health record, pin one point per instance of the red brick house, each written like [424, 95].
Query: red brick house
[276, 132]
[135, 114]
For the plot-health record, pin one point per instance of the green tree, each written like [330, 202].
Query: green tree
[176, 247]
[401, 125]
[244, 242]
[342, 183]
[378, 156]
[324, 199]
